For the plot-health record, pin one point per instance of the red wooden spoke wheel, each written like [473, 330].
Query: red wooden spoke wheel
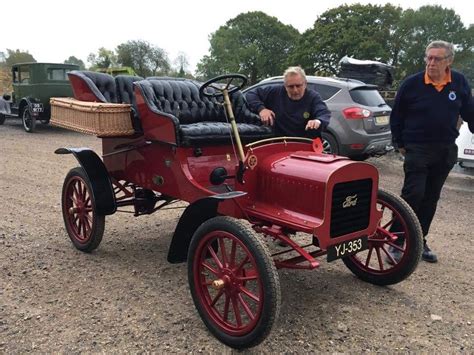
[84, 226]
[398, 230]
[233, 281]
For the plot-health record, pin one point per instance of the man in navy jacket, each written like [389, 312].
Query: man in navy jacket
[292, 109]
[424, 129]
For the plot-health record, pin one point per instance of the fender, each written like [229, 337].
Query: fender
[29, 102]
[98, 176]
[193, 216]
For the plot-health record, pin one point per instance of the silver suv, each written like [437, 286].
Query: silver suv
[360, 118]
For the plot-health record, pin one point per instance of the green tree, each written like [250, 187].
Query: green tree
[143, 57]
[253, 44]
[418, 28]
[181, 65]
[359, 31]
[17, 56]
[104, 58]
[77, 61]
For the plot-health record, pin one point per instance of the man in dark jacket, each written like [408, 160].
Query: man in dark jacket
[292, 109]
[424, 129]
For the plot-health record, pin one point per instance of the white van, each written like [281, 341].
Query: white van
[465, 143]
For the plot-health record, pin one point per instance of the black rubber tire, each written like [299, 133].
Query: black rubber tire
[329, 143]
[2, 118]
[84, 226]
[29, 122]
[383, 270]
[259, 272]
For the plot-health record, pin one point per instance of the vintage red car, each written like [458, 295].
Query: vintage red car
[245, 190]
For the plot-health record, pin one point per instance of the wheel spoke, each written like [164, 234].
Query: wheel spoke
[249, 294]
[211, 251]
[235, 307]
[226, 307]
[216, 298]
[246, 308]
[232, 254]
[379, 259]
[241, 265]
[210, 268]
[223, 252]
[369, 256]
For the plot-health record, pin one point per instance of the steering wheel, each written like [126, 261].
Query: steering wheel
[220, 87]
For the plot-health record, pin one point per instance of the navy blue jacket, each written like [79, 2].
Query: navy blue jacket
[291, 116]
[422, 115]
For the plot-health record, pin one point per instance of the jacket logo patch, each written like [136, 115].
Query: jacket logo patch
[306, 115]
[452, 95]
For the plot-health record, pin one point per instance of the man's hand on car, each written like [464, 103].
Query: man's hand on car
[267, 116]
[313, 124]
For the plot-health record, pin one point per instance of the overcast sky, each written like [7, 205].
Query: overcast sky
[53, 30]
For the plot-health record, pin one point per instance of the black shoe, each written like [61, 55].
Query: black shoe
[428, 255]
[396, 254]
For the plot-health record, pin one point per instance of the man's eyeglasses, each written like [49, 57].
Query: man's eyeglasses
[430, 58]
[294, 86]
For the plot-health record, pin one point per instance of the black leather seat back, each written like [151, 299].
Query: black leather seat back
[124, 86]
[181, 99]
[101, 84]
[200, 120]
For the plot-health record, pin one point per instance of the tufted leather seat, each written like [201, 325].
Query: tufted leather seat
[124, 86]
[200, 121]
[93, 86]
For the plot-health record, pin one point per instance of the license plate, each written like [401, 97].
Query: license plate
[37, 108]
[382, 120]
[469, 151]
[347, 248]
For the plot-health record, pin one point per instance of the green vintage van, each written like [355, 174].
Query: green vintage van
[33, 85]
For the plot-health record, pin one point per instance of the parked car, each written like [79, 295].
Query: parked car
[33, 85]
[465, 143]
[360, 120]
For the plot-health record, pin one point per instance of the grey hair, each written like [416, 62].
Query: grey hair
[442, 44]
[294, 71]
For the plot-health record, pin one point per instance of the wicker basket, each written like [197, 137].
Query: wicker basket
[97, 118]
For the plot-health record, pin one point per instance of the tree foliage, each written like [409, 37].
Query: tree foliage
[144, 58]
[253, 44]
[359, 31]
[418, 28]
[104, 58]
[77, 61]
[17, 56]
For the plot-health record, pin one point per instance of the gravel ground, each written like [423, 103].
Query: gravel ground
[125, 296]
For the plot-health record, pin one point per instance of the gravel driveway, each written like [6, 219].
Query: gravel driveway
[125, 296]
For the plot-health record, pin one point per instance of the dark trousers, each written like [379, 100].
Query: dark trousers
[426, 168]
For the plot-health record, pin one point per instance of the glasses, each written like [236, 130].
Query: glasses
[430, 58]
[294, 86]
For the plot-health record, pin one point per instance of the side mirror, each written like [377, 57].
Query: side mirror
[6, 97]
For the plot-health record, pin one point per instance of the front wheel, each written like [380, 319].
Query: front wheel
[84, 225]
[233, 282]
[398, 230]
[29, 121]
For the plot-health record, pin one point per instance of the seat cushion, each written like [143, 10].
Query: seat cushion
[216, 133]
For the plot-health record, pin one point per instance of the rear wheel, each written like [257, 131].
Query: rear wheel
[398, 230]
[329, 144]
[29, 122]
[84, 226]
[233, 282]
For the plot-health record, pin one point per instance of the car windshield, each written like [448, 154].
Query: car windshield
[367, 97]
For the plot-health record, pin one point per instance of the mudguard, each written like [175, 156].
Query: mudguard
[98, 176]
[194, 215]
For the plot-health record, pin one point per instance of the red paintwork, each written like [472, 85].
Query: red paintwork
[81, 90]
[288, 184]
[155, 126]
